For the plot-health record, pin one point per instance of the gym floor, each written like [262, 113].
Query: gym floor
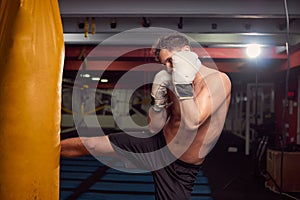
[233, 175]
[225, 176]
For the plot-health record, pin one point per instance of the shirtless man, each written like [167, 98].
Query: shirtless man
[190, 106]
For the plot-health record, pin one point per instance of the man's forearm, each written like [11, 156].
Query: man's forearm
[190, 114]
[156, 120]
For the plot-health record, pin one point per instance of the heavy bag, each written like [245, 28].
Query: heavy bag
[31, 64]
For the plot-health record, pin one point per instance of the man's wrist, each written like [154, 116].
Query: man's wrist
[157, 108]
[184, 91]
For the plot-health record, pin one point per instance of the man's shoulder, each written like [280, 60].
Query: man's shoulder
[206, 72]
[213, 76]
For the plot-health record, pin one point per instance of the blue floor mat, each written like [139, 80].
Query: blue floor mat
[115, 184]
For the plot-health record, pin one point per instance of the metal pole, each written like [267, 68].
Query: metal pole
[247, 132]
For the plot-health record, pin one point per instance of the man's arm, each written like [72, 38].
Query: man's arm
[186, 66]
[157, 114]
[156, 120]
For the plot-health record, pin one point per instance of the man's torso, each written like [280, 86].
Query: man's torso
[211, 86]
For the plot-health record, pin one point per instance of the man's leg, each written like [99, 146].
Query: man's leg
[175, 181]
[80, 146]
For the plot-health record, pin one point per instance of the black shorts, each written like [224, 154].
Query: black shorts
[173, 178]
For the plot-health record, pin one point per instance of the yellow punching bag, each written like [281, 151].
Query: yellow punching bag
[31, 64]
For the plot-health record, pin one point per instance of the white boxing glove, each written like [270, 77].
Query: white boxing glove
[186, 65]
[161, 82]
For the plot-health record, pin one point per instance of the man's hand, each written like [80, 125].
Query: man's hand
[161, 82]
[186, 64]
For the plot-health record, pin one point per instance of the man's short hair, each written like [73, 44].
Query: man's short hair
[173, 41]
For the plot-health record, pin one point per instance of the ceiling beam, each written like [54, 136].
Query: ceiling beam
[105, 59]
[148, 39]
[114, 53]
[190, 8]
[294, 61]
[101, 66]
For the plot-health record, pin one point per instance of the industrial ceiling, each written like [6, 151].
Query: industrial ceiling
[222, 27]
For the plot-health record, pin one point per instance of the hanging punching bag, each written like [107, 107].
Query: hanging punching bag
[31, 63]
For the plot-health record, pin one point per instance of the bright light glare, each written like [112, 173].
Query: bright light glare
[103, 80]
[85, 75]
[95, 78]
[253, 50]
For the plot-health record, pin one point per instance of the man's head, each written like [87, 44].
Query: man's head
[171, 42]
[167, 45]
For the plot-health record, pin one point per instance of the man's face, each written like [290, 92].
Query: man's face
[165, 57]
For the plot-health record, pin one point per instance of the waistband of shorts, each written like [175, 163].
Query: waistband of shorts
[189, 165]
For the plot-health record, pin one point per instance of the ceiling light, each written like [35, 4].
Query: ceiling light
[95, 78]
[85, 75]
[253, 50]
[104, 80]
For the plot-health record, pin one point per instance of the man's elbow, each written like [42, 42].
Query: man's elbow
[155, 128]
[156, 121]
